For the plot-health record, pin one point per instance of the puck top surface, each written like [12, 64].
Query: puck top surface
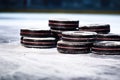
[95, 25]
[34, 29]
[109, 34]
[107, 43]
[79, 33]
[73, 43]
[31, 38]
[63, 19]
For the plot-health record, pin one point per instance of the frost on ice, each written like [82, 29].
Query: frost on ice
[19, 63]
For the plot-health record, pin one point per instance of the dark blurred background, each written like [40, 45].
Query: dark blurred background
[61, 5]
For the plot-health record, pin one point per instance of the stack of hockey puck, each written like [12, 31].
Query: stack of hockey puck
[57, 26]
[36, 38]
[108, 44]
[106, 47]
[99, 28]
[105, 43]
[76, 42]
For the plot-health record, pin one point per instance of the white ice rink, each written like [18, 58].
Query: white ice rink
[19, 63]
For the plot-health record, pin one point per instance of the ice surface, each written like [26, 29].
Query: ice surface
[19, 63]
